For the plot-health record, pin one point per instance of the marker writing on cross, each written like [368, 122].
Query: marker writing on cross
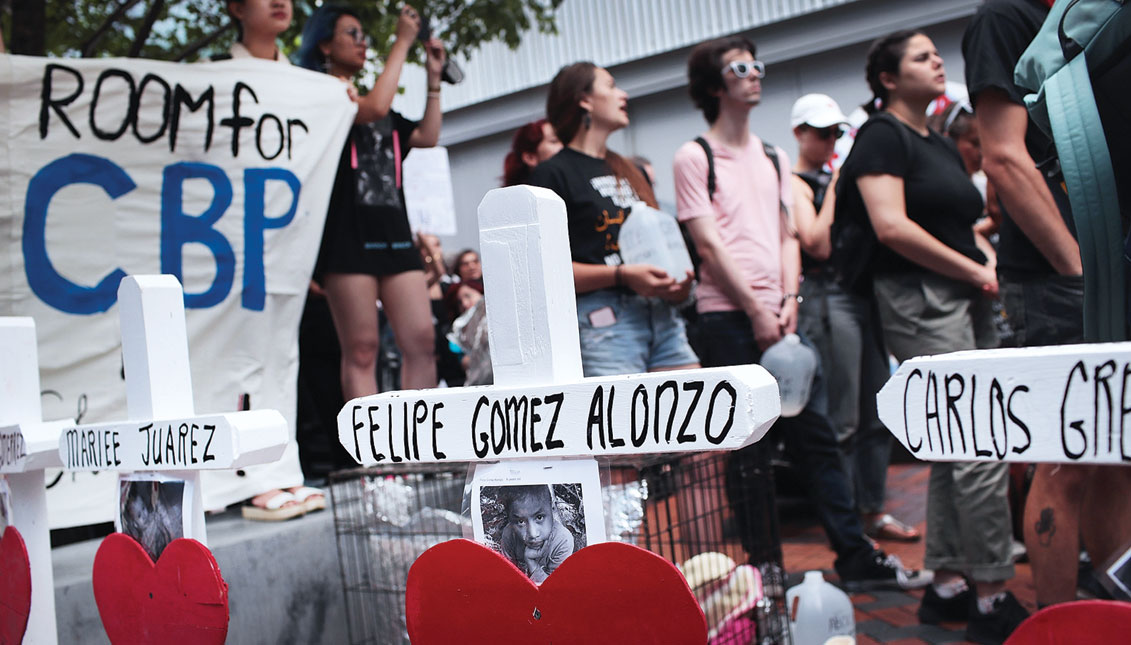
[182, 597]
[27, 447]
[1061, 404]
[540, 406]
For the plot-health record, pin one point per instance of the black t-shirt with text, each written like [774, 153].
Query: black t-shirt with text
[597, 203]
[938, 194]
[995, 38]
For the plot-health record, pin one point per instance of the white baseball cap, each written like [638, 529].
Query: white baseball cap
[816, 110]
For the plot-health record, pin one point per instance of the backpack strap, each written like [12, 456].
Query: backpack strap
[1090, 180]
[772, 155]
[710, 166]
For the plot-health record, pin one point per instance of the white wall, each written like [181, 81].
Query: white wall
[663, 120]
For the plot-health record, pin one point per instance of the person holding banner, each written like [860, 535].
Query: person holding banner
[258, 24]
[933, 287]
[367, 246]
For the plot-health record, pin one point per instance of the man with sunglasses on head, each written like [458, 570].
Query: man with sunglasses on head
[841, 325]
[734, 194]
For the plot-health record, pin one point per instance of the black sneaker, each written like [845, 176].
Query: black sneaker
[935, 609]
[993, 628]
[877, 570]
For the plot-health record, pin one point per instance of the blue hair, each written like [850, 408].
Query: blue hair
[318, 29]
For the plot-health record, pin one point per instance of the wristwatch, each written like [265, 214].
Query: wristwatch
[792, 296]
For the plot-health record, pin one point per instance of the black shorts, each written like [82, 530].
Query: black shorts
[373, 239]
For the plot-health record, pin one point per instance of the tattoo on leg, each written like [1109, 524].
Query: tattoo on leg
[1045, 527]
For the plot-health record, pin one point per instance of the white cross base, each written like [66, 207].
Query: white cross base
[27, 447]
[1061, 404]
[540, 406]
[163, 433]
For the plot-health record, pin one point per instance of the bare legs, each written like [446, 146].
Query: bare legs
[405, 296]
[1055, 521]
[353, 304]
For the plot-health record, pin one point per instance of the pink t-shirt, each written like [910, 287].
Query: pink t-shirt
[746, 209]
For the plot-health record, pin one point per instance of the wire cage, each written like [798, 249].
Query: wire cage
[714, 515]
[384, 518]
[710, 513]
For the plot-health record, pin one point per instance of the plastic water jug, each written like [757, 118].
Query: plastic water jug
[649, 236]
[794, 365]
[818, 611]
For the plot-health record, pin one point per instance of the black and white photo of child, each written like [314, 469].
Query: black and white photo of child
[535, 526]
[151, 512]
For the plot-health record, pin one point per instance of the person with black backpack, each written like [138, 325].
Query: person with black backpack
[734, 198]
[841, 324]
[931, 283]
[1042, 288]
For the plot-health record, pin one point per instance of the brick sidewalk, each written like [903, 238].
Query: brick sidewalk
[889, 616]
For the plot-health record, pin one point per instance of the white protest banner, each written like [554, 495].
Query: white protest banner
[428, 195]
[1064, 404]
[540, 407]
[217, 173]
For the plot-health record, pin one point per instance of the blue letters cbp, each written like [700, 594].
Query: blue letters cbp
[177, 229]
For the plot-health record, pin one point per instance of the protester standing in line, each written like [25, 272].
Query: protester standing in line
[1043, 291]
[748, 298]
[626, 314]
[843, 326]
[367, 248]
[931, 284]
[532, 144]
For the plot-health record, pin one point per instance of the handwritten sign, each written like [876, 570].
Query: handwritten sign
[540, 405]
[1065, 404]
[217, 173]
[207, 442]
[710, 409]
[428, 195]
[164, 434]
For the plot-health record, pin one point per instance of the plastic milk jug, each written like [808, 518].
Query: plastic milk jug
[649, 236]
[794, 365]
[818, 611]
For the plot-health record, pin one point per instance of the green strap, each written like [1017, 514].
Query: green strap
[1084, 159]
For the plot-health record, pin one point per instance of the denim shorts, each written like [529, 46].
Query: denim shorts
[642, 334]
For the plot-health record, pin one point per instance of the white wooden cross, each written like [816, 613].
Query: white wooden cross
[27, 447]
[163, 433]
[1061, 404]
[540, 406]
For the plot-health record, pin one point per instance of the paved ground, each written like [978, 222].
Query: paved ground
[889, 616]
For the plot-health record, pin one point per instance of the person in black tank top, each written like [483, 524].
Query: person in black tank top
[842, 325]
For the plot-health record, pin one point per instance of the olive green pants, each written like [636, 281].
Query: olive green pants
[969, 528]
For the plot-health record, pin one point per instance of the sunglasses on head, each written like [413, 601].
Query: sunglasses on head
[358, 36]
[831, 132]
[743, 68]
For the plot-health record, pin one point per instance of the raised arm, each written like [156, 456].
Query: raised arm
[427, 132]
[813, 227]
[375, 105]
[883, 198]
[1018, 182]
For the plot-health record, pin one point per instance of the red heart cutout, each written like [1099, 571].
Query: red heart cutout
[462, 592]
[181, 599]
[15, 587]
